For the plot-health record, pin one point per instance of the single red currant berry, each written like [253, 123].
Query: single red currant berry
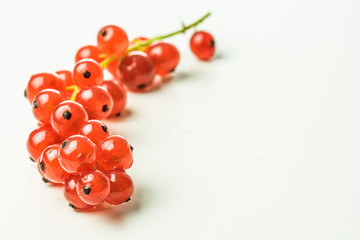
[112, 40]
[49, 165]
[137, 71]
[44, 103]
[94, 130]
[93, 187]
[71, 194]
[202, 44]
[118, 93]
[77, 153]
[96, 101]
[165, 57]
[42, 81]
[68, 117]
[88, 51]
[66, 76]
[115, 152]
[121, 187]
[39, 139]
[87, 72]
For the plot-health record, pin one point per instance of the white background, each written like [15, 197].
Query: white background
[261, 143]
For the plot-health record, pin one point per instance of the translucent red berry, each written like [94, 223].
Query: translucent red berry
[88, 51]
[93, 187]
[49, 165]
[39, 139]
[87, 72]
[44, 103]
[112, 40]
[165, 57]
[42, 81]
[66, 76]
[71, 194]
[202, 44]
[68, 117]
[96, 101]
[137, 71]
[118, 94]
[121, 187]
[94, 130]
[77, 153]
[115, 152]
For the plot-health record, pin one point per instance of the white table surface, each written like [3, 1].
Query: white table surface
[261, 143]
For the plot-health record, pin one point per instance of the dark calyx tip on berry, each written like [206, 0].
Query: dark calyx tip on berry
[45, 180]
[212, 43]
[86, 74]
[35, 104]
[31, 159]
[25, 93]
[128, 199]
[172, 70]
[104, 128]
[132, 148]
[64, 143]
[105, 108]
[67, 115]
[118, 114]
[86, 190]
[42, 166]
[103, 33]
[72, 206]
[141, 86]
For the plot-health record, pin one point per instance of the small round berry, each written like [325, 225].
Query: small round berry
[202, 44]
[115, 152]
[94, 130]
[42, 81]
[77, 153]
[88, 51]
[49, 165]
[39, 139]
[112, 40]
[121, 187]
[87, 72]
[165, 57]
[44, 103]
[66, 76]
[96, 101]
[93, 187]
[118, 94]
[71, 194]
[68, 117]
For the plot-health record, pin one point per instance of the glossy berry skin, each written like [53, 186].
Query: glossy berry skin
[42, 81]
[118, 94]
[112, 40]
[77, 153]
[95, 131]
[39, 139]
[113, 69]
[137, 71]
[66, 76]
[71, 194]
[96, 101]
[93, 187]
[49, 166]
[115, 152]
[44, 103]
[67, 118]
[202, 44]
[121, 187]
[165, 57]
[87, 72]
[88, 51]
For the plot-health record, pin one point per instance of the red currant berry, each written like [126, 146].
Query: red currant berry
[96, 101]
[49, 165]
[93, 187]
[71, 194]
[118, 93]
[121, 187]
[77, 153]
[39, 139]
[44, 103]
[137, 71]
[113, 69]
[66, 76]
[112, 40]
[87, 72]
[88, 51]
[202, 44]
[68, 117]
[165, 57]
[42, 81]
[115, 152]
[94, 130]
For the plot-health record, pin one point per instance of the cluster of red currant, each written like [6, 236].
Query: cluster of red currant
[71, 146]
